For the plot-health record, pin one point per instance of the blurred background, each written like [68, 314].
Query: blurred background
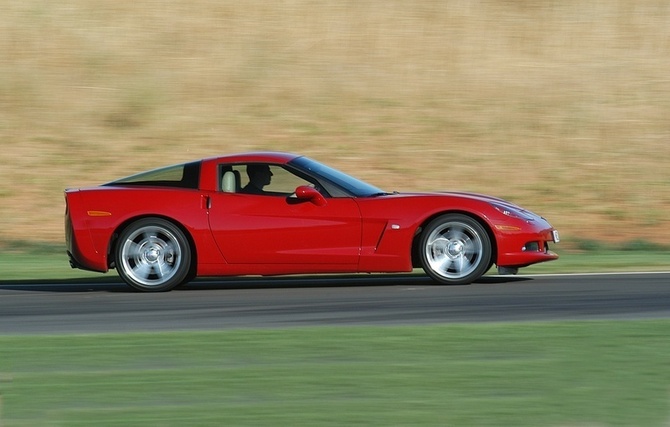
[561, 106]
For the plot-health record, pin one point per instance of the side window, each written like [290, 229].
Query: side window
[261, 179]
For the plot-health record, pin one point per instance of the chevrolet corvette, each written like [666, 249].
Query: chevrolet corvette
[271, 213]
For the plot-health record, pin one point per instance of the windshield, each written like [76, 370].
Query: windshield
[350, 184]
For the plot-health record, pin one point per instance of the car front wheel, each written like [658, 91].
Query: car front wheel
[153, 255]
[455, 249]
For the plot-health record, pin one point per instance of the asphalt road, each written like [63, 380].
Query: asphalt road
[107, 305]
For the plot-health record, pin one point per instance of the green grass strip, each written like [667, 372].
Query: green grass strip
[523, 374]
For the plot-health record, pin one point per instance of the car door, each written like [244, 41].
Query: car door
[275, 227]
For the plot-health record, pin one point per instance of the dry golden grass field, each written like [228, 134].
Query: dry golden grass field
[562, 106]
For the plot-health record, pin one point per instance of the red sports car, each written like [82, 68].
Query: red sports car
[278, 213]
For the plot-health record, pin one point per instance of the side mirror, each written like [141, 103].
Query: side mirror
[309, 194]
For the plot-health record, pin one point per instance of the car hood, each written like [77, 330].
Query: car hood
[458, 194]
[483, 198]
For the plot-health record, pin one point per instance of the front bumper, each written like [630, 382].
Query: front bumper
[527, 247]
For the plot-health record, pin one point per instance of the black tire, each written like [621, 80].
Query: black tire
[455, 249]
[153, 255]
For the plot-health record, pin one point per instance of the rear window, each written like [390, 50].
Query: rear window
[184, 175]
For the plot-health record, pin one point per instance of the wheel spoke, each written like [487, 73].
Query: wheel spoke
[133, 250]
[463, 265]
[163, 268]
[158, 270]
[457, 233]
[471, 251]
[142, 270]
[438, 245]
[147, 236]
[443, 264]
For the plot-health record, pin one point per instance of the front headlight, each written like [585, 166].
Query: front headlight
[513, 212]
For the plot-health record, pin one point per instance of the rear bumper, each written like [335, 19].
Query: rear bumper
[75, 263]
[81, 251]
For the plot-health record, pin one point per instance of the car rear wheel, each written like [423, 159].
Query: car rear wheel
[153, 255]
[455, 249]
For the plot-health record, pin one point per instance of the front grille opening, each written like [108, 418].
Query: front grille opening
[532, 247]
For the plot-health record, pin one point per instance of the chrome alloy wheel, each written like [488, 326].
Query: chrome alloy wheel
[456, 249]
[153, 255]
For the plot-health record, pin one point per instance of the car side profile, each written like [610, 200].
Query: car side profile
[272, 213]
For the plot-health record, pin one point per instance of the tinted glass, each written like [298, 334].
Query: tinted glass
[352, 185]
[184, 175]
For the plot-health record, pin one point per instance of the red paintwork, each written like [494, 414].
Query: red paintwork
[238, 234]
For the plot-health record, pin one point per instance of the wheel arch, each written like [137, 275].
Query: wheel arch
[416, 259]
[111, 248]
